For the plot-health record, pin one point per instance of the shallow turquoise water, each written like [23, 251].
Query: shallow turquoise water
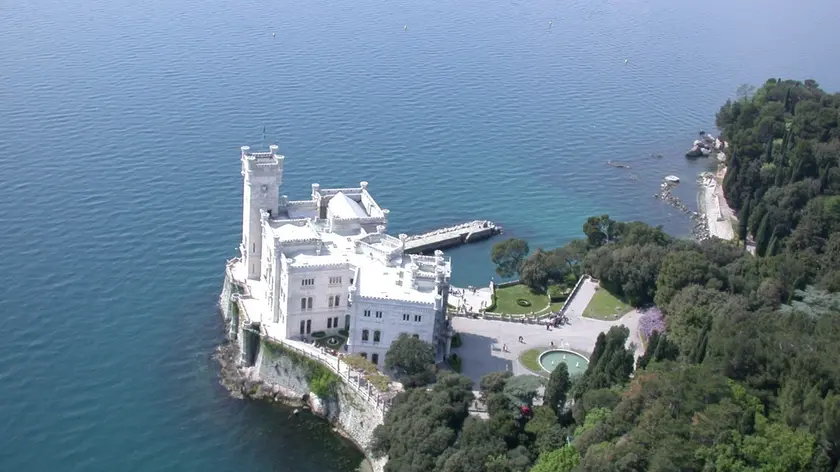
[575, 363]
[120, 124]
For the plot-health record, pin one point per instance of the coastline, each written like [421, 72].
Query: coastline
[716, 217]
[245, 384]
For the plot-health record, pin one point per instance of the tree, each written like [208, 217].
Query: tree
[743, 219]
[494, 382]
[561, 460]
[412, 359]
[422, 425]
[557, 388]
[599, 230]
[523, 388]
[508, 256]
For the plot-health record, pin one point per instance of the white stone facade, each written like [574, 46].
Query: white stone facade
[327, 264]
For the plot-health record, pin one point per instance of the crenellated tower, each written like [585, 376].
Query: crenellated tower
[263, 175]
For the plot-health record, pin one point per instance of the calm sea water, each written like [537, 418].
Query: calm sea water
[120, 124]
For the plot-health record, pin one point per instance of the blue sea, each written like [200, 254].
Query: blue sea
[120, 128]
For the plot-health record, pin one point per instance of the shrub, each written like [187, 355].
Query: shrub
[523, 302]
[318, 334]
[381, 382]
[559, 292]
[344, 332]
[454, 362]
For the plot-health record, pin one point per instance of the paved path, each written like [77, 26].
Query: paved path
[474, 301]
[483, 340]
[583, 296]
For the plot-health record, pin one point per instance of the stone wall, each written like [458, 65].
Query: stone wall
[280, 374]
[286, 374]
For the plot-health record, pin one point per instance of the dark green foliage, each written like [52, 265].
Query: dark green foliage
[793, 128]
[659, 348]
[422, 424]
[557, 388]
[412, 359]
[611, 362]
[745, 376]
[743, 219]
[508, 256]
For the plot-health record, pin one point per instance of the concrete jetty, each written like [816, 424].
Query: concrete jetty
[452, 236]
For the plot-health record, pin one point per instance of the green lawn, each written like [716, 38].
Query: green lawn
[506, 300]
[530, 359]
[605, 306]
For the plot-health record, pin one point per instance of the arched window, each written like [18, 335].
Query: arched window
[365, 334]
[309, 303]
[302, 303]
[374, 358]
[376, 335]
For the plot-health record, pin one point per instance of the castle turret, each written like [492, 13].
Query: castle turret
[263, 175]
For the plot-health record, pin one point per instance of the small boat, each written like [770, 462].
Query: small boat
[618, 164]
[672, 179]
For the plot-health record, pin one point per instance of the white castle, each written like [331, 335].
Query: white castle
[326, 264]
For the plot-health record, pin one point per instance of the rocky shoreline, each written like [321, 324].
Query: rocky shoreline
[243, 383]
[699, 225]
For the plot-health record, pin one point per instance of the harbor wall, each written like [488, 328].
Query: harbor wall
[281, 374]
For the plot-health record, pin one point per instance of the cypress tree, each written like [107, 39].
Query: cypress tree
[743, 220]
[788, 107]
[762, 236]
[700, 349]
[755, 217]
[769, 149]
[780, 174]
[772, 246]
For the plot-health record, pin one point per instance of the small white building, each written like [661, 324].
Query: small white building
[326, 264]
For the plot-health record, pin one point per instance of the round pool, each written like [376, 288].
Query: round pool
[575, 362]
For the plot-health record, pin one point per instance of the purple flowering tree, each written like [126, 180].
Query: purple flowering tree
[652, 320]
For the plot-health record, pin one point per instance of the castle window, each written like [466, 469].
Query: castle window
[309, 303]
[329, 323]
[379, 314]
[377, 335]
[416, 336]
[363, 354]
[365, 335]
[337, 299]
[418, 318]
[307, 282]
[331, 301]
[374, 358]
[334, 300]
[406, 317]
[303, 303]
[335, 280]
[366, 313]
[335, 322]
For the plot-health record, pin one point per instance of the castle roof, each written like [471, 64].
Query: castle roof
[342, 206]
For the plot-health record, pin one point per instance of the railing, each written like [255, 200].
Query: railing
[572, 293]
[352, 378]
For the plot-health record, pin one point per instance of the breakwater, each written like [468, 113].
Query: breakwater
[451, 236]
[699, 225]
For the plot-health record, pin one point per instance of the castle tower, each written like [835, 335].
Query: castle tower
[263, 174]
